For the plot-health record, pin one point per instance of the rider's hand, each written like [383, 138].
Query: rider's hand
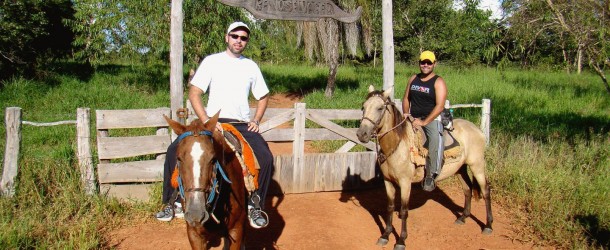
[417, 124]
[253, 126]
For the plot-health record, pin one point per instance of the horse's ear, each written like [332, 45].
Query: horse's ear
[176, 126]
[371, 88]
[388, 92]
[210, 125]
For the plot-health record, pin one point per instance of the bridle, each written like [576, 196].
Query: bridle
[386, 103]
[216, 187]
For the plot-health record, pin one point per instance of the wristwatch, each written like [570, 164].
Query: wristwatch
[256, 122]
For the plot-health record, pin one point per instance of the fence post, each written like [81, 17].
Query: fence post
[298, 147]
[11, 153]
[83, 138]
[486, 119]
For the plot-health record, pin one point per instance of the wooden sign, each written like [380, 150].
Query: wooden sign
[298, 10]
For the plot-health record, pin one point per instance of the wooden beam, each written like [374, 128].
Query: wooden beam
[12, 119]
[83, 141]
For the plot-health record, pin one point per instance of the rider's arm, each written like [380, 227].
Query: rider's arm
[195, 94]
[261, 107]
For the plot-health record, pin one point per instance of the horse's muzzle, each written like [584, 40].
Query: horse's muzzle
[196, 214]
[364, 134]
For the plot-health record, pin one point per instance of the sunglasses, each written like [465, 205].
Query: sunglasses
[425, 63]
[235, 36]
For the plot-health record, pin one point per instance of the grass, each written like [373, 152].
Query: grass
[548, 157]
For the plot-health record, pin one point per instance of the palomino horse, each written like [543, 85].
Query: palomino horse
[383, 120]
[211, 186]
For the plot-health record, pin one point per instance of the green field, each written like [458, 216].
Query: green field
[548, 158]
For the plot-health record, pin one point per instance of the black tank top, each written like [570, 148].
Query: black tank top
[422, 97]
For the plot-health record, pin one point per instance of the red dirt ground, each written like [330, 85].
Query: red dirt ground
[346, 220]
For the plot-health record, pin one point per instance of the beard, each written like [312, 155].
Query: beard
[236, 49]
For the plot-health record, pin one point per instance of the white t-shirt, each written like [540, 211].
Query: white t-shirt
[230, 81]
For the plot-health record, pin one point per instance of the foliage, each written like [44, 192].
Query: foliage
[140, 30]
[455, 34]
[33, 35]
[576, 28]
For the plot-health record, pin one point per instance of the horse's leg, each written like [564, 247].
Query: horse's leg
[390, 192]
[478, 171]
[196, 240]
[405, 192]
[235, 239]
[467, 189]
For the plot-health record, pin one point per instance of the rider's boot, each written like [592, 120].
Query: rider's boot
[428, 184]
[257, 217]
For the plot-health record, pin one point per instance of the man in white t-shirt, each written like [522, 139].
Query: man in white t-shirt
[228, 78]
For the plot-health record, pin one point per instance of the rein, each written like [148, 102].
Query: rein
[381, 157]
[216, 182]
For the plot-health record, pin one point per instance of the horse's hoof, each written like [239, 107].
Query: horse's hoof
[459, 221]
[487, 231]
[399, 247]
[382, 242]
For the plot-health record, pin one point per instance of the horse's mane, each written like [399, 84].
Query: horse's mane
[398, 117]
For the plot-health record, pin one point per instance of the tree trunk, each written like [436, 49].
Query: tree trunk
[328, 30]
[579, 59]
[602, 75]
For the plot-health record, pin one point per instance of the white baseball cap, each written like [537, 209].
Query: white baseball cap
[236, 25]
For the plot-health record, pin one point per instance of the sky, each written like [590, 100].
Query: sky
[494, 6]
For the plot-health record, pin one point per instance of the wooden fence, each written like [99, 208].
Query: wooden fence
[13, 124]
[129, 165]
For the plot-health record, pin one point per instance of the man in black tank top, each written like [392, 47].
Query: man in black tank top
[424, 100]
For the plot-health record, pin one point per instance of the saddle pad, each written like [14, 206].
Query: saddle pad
[246, 156]
[420, 151]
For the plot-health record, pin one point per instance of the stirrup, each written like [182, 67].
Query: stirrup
[255, 199]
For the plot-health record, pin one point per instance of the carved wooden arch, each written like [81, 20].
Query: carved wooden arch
[298, 10]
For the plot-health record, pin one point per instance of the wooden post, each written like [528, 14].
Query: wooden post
[175, 58]
[486, 119]
[298, 146]
[83, 140]
[388, 45]
[12, 121]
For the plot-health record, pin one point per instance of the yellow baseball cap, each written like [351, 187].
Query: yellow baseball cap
[427, 55]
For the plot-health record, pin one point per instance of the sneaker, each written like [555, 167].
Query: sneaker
[428, 184]
[178, 211]
[167, 214]
[257, 217]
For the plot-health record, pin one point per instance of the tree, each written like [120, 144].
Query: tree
[322, 40]
[136, 29]
[33, 34]
[576, 28]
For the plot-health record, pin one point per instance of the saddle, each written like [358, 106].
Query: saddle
[243, 152]
[419, 151]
